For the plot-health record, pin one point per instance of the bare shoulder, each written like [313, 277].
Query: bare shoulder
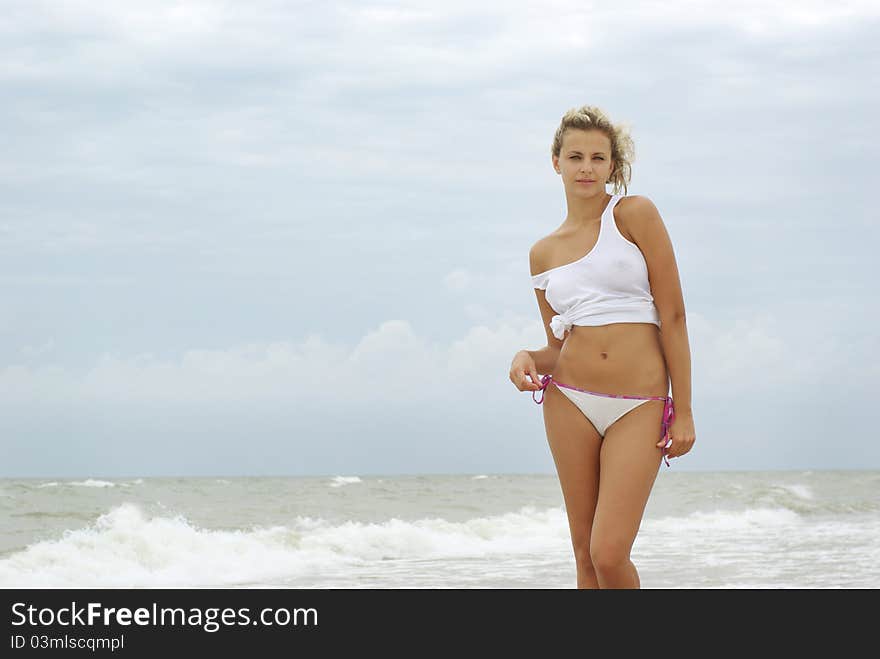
[633, 213]
[538, 254]
[635, 204]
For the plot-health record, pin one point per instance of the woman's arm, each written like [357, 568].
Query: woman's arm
[643, 221]
[546, 357]
[677, 351]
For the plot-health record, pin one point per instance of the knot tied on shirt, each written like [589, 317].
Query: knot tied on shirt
[609, 284]
[560, 324]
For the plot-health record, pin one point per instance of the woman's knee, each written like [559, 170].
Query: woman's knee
[582, 556]
[608, 554]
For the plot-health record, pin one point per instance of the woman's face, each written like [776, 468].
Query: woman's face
[585, 155]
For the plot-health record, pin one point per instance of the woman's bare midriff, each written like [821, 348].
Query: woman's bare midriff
[621, 358]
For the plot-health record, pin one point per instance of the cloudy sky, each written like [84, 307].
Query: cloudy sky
[292, 237]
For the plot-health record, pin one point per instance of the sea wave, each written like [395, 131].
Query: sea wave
[127, 548]
[90, 482]
[339, 481]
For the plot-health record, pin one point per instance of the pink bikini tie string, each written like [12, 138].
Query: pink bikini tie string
[545, 380]
[668, 408]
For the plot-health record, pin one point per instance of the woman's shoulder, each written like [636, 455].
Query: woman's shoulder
[538, 253]
[633, 206]
[633, 202]
[630, 210]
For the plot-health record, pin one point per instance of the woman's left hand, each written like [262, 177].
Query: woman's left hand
[681, 432]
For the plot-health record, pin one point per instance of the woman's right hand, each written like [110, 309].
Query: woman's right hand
[523, 367]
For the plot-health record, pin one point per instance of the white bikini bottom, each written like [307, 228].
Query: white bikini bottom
[601, 411]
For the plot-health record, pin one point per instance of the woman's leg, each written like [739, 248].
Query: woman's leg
[575, 444]
[629, 461]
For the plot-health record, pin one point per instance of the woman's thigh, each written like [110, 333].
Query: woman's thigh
[575, 445]
[629, 462]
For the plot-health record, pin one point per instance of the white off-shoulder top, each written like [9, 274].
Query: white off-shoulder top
[607, 285]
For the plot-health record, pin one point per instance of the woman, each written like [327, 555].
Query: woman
[606, 282]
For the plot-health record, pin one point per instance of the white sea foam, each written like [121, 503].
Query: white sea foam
[768, 545]
[802, 491]
[727, 520]
[339, 481]
[125, 548]
[91, 482]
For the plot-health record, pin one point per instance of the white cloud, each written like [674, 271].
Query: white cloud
[395, 363]
[457, 280]
[35, 351]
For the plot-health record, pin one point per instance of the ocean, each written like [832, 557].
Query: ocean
[786, 529]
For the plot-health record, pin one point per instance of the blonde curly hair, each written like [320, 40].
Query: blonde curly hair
[590, 117]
